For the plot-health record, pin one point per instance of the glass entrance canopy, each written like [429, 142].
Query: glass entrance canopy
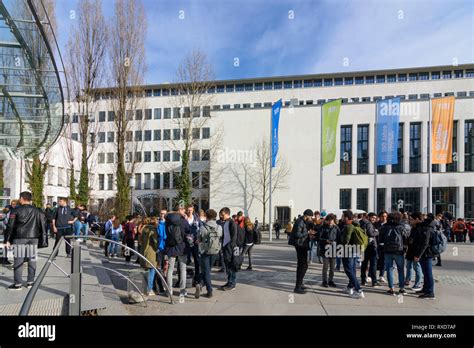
[31, 90]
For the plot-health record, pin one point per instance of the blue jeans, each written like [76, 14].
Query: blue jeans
[338, 263]
[151, 278]
[400, 263]
[206, 265]
[79, 226]
[349, 264]
[428, 281]
[112, 246]
[231, 276]
[418, 273]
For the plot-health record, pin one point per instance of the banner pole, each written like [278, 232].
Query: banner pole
[321, 165]
[375, 160]
[270, 180]
[430, 188]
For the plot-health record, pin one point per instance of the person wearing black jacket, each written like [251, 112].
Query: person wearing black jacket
[370, 253]
[49, 212]
[229, 248]
[328, 234]
[299, 238]
[27, 226]
[63, 223]
[423, 253]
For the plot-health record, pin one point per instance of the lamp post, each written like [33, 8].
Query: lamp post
[132, 185]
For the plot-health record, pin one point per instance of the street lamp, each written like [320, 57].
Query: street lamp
[132, 186]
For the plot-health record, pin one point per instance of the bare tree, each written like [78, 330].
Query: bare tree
[261, 174]
[127, 64]
[85, 60]
[194, 79]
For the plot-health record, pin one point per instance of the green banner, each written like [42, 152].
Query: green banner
[328, 131]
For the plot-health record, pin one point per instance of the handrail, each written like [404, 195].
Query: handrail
[165, 283]
[25, 308]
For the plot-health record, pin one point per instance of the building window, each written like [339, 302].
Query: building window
[206, 111]
[101, 137]
[226, 107]
[148, 114]
[410, 198]
[128, 157]
[338, 81]
[138, 156]
[363, 149]
[435, 75]
[444, 199]
[175, 182]
[101, 158]
[359, 80]
[469, 202]
[369, 79]
[381, 192]
[138, 115]
[346, 150]
[205, 156]
[415, 147]
[166, 134]
[469, 146]
[129, 136]
[195, 154]
[101, 182]
[176, 134]
[101, 116]
[156, 181]
[75, 136]
[446, 74]
[147, 156]
[176, 156]
[318, 83]
[110, 157]
[391, 78]
[138, 136]
[110, 182]
[147, 183]
[206, 133]
[156, 156]
[288, 84]
[196, 133]
[110, 137]
[148, 135]
[229, 88]
[327, 82]
[220, 89]
[268, 85]
[129, 115]
[157, 114]
[166, 156]
[363, 199]
[345, 198]
[348, 80]
[424, 76]
[380, 78]
[138, 181]
[239, 87]
[157, 134]
[249, 87]
[195, 179]
[111, 116]
[413, 76]
[453, 166]
[166, 181]
[297, 84]
[205, 180]
[398, 168]
[166, 113]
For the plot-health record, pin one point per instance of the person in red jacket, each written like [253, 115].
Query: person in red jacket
[459, 229]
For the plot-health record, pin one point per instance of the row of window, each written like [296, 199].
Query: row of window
[320, 82]
[152, 135]
[157, 181]
[154, 156]
[443, 198]
[415, 164]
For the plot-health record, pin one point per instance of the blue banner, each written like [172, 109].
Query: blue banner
[387, 119]
[275, 121]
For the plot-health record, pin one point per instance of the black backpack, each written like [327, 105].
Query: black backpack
[240, 240]
[256, 236]
[174, 236]
[393, 242]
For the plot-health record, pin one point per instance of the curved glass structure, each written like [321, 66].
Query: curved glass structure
[31, 90]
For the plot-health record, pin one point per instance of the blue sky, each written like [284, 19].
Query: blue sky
[281, 37]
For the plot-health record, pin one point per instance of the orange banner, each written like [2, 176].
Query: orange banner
[442, 130]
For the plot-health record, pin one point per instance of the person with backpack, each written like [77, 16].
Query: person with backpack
[130, 229]
[459, 229]
[230, 248]
[352, 240]
[192, 248]
[411, 264]
[382, 220]
[370, 253]
[209, 243]
[160, 255]
[277, 228]
[423, 253]
[393, 236]
[328, 236]
[115, 235]
[299, 238]
[63, 223]
[249, 240]
[177, 228]
[149, 242]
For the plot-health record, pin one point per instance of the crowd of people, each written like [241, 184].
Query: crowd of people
[206, 239]
[375, 242]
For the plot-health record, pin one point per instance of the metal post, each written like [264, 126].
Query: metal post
[430, 188]
[270, 180]
[375, 161]
[76, 277]
[321, 165]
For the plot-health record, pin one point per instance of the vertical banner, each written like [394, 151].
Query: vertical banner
[387, 119]
[330, 118]
[275, 122]
[442, 130]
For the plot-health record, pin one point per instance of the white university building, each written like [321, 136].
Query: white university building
[225, 165]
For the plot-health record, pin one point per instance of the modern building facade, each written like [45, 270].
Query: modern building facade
[225, 160]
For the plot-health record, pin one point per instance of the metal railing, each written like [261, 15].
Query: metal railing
[27, 303]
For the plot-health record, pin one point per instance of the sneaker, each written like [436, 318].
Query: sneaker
[29, 285]
[363, 283]
[332, 285]
[391, 292]
[349, 291]
[407, 283]
[429, 296]
[249, 268]
[382, 280]
[229, 288]
[198, 291]
[368, 280]
[325, 284]
[376, 285]
[420, 291]
[402, 292]
[208, 295]
[299, 291]
[15, 287]
[183, 293]
[358, 294]
[416, 287]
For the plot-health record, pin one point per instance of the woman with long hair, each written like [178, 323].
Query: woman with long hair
[149, 244]
[249, 231]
